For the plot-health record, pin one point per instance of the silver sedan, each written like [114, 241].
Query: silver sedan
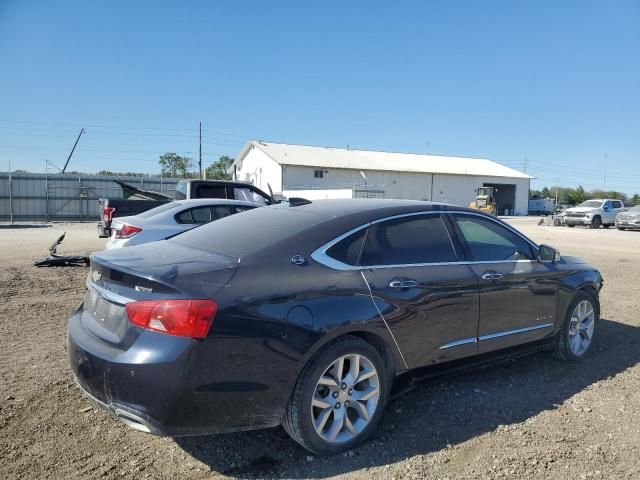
[171, 219]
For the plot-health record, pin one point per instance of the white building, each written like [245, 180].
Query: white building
[325, 172]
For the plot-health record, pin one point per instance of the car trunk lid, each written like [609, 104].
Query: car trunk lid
[159, 270]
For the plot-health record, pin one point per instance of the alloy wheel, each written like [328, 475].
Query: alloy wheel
[345, 398]
[581, 327]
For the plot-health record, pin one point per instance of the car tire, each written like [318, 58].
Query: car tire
[596, 222]
[605, 225]
[311, 424]
[570, 225]
[621, 228]
[575, 338]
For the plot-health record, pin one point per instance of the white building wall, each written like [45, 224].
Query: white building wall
[260, 170]
[414, 186]
[320, 194]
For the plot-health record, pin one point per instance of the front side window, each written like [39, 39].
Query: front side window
[248, 195]
[617, 204]
[408, 240]
[489, 241]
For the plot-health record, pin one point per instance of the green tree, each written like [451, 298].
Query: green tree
[174, 165]
[636, 199]
[545, 193]
[218, 169]
[534, 193]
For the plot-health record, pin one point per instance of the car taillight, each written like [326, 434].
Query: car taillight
[107, 213]
[184, 318]
[126, 231]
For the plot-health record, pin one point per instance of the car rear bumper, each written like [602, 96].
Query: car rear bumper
[172, 386]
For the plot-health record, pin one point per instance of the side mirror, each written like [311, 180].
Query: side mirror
[548, 254]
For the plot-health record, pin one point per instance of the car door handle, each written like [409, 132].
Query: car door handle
[403, 283]
[492, 276]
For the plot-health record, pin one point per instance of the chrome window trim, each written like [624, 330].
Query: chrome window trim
[107, 294]
[515, 332]
[320, 254]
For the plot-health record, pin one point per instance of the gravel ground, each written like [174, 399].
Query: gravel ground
[530, 418]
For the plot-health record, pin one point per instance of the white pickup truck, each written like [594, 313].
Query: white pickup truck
[594, 213]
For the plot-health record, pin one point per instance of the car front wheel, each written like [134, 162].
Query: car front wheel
[596, 222]
[339, 397]
[578, 329]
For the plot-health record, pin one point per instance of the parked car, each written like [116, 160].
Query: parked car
[304, 315]
[138, 200]
[629, 219]
[594, 213]
[170, 219]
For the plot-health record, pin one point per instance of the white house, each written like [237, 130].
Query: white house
[326, 172]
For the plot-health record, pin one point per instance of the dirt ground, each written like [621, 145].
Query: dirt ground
[531, 418]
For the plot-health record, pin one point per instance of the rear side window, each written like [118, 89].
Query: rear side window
[212, 191]
[348, 249]
[489, 241]
[204, 214]
[408, 240]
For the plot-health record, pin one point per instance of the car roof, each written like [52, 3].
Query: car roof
[261, 232]
[372, 206]
[214, 201]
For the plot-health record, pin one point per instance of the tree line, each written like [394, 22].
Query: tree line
[176, 166]
[575, 196]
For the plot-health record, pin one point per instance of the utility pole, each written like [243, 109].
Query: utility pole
[428, 149]
[604, 179]
[525, 163]
[72, 150]
[200, 152]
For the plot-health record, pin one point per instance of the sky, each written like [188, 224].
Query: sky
[557, 83]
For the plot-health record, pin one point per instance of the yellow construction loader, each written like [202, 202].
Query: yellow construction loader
[485, 201]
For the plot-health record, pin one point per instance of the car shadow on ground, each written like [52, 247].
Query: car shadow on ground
[17, 226]
[432, 416]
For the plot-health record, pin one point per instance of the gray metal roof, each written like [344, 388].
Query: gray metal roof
[330, 157]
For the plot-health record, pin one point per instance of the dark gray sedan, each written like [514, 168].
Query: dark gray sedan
[305, 315]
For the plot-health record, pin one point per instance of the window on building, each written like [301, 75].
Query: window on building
[318, 174]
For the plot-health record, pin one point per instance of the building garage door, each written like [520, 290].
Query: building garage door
[505, 194]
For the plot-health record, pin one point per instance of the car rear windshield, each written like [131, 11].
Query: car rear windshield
[160, 209]
[242, 234]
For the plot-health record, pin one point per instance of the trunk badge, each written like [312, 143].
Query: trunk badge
[96, 276]
[298, 260]
[143, 289]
